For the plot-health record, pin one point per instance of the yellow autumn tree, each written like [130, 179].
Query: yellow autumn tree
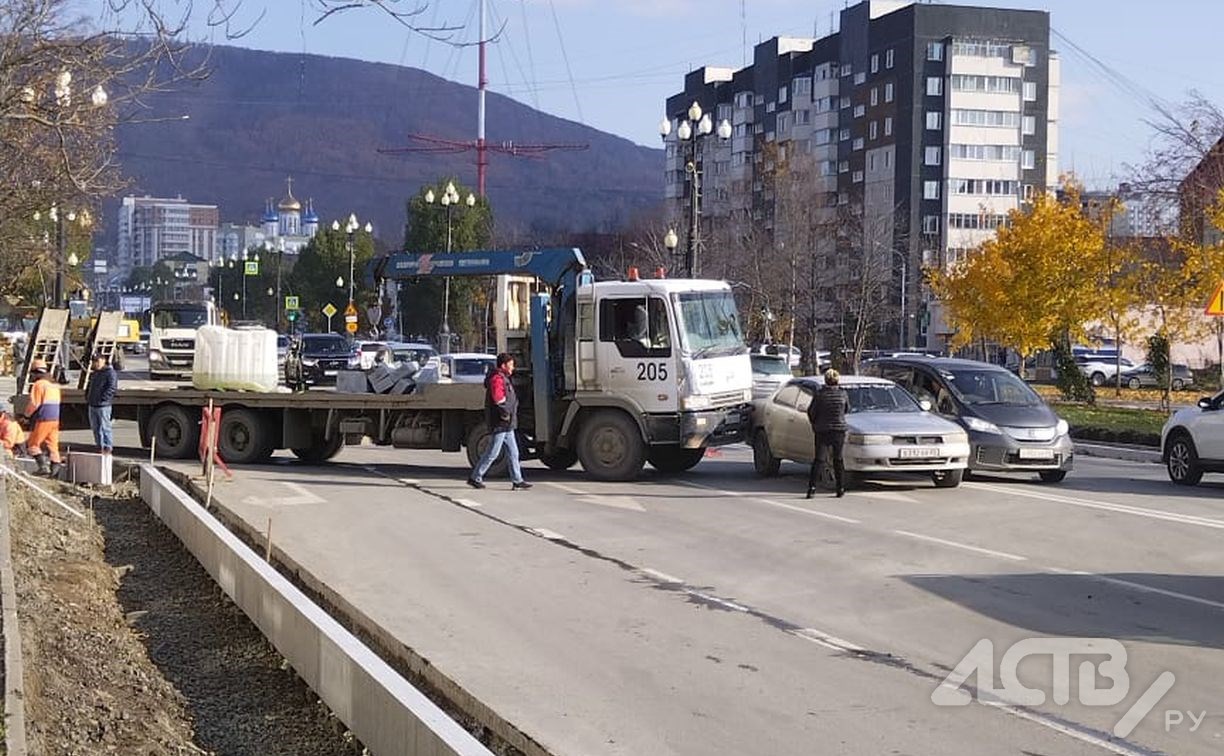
[1035, 282]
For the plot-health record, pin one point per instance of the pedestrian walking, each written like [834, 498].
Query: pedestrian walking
[43, 410]
[827, 414]
[501, 415]
[99, 394]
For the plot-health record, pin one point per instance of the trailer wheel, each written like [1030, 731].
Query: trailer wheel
[674, 459]
[320, 450]
[177, 435]
[478, 440]
[611, 446]
[242, 438]
[559, 459]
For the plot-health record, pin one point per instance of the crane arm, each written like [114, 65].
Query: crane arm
[553, 266]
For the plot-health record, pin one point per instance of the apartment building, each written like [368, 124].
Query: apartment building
[153, 228]
[926, 123]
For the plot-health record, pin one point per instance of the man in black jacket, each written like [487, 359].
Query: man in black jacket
[827, 413]
[99, 393]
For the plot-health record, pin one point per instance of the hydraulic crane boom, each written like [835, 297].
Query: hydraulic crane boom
[556, 267]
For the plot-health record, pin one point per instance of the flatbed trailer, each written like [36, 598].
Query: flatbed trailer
[313, 424]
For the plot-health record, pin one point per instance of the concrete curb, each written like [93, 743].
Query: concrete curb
[14, 674]
[382, 709]
[1112, 451]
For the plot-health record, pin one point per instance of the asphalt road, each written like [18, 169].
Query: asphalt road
[717, 613]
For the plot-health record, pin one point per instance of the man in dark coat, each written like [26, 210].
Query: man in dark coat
[501, 416]
[827, 414]
[99, 394]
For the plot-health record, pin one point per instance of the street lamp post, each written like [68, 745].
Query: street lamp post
[62, 223]
[448, 201]
[692, 127]
[902, 326]
[280, 263]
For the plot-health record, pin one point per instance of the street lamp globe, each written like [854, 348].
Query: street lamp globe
[235, 296]
[670, 240]
[705, 125]
[270, 292]
[684, 132]
[99, 97]
[724, 129]
[369, 227]
[339, 282]
[429, 196]
[664, 127]
[446, 200]
[450, 187]
[694, 111]
[73, 259]
[255, 258]
[471, 200]
[335, 225]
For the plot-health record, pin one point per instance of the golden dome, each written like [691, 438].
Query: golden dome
[289, 203]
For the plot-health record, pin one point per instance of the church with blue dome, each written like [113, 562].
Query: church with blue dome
[289, 221]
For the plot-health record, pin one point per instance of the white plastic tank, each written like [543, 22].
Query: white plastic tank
[235, 360]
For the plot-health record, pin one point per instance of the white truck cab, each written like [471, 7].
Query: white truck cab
[172, 334]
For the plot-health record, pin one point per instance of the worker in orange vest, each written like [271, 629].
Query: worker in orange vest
[43, 411]
[12, 437]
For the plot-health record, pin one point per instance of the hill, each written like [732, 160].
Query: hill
[262, 116]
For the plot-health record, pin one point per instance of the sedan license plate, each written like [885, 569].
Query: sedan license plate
[1036, 454]
[921, 452]
[329, 373]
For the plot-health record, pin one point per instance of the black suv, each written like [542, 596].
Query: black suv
[1011, 429]
[314, 359]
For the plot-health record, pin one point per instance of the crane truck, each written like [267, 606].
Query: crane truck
[613, 374]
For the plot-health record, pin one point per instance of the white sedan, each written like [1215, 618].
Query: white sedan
[887, 432]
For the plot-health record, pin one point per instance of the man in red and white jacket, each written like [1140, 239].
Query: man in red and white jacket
[501, 416]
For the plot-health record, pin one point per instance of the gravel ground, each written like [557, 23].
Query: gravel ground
[130, 648]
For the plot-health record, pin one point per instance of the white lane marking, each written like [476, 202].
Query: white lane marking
[662, 577]
[470, 504]
[303, 497]
[886, 495]
[716, 600]
[805, 510]
[1156, 514]
[1052, 724]
[409, 481]
[616, 501]
[1141, 587]
[546, 534]
[964, 546]
[565, 488]
[825, 639]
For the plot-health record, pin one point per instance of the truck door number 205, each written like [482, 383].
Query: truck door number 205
[652, 371]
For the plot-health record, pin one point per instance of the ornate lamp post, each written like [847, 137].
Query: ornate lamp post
[692, 127]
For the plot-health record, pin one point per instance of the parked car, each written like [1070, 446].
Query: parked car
[888, 432]
[466, 367]
[1192, 441]
[1010, 427]
[1144, 376]
[793, 354]
[769, 373]
[368, 351]
[316, 358]
[282, 350]
[1101, 370]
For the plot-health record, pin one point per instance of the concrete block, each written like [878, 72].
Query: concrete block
[402, 386]
[352, 382]
[86, 467]
[382, 379]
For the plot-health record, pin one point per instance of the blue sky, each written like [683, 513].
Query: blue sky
[610, 65]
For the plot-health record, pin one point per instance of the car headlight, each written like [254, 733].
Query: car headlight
[982, 426]
[307, 362]
[868, 439]
[154, 354]
[956, 438]
[696, 402]
[1062, 429]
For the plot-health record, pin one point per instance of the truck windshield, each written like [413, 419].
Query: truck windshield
[709, 323]
[179, 317]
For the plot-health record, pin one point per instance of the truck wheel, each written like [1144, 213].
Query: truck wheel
[763, 460]
[673, 459]
[177, 434]
[242, 438]
[320, 451]
[478, 441]
[559, 459]
[611, 446]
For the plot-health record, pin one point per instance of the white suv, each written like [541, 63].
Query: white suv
[1192, 441]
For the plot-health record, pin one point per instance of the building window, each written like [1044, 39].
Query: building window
[934, 86]
[1029, 191]
[843, 198]
[781, 95]
[857, 177]
[873, 130]
[860, 78]
[1001, 118]
[875, 96]
[888, 58]
[1028, 159]
[930, 190]
[930, 225]
[935, 51]
[860, 111]
[1030, 91]
[758, 99]
[801, 86]
[998, 152]
[988, 84]
[843, 135]
[783, 122]
[724, 112]
[934, 120]
[857, 144]
[843, 166]
[803, 117]
[875, 63]
[1029, 125]
[846, 70]
[932, 156]
[771, 106]
[888, 92]
[887, 158]
[871, 162]
[845, 102]
[888, 126]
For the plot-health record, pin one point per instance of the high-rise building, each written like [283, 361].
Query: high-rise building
[923, 123]
[151, 228]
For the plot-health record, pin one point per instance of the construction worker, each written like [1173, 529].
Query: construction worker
[43, 410]
[12, 437]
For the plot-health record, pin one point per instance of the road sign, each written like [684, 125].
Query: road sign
[329, 309]
[1215, 305]
[350, 309]
[350, 327]
[251, 268]
[388, 323]
[291, 303]
[292, 315]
